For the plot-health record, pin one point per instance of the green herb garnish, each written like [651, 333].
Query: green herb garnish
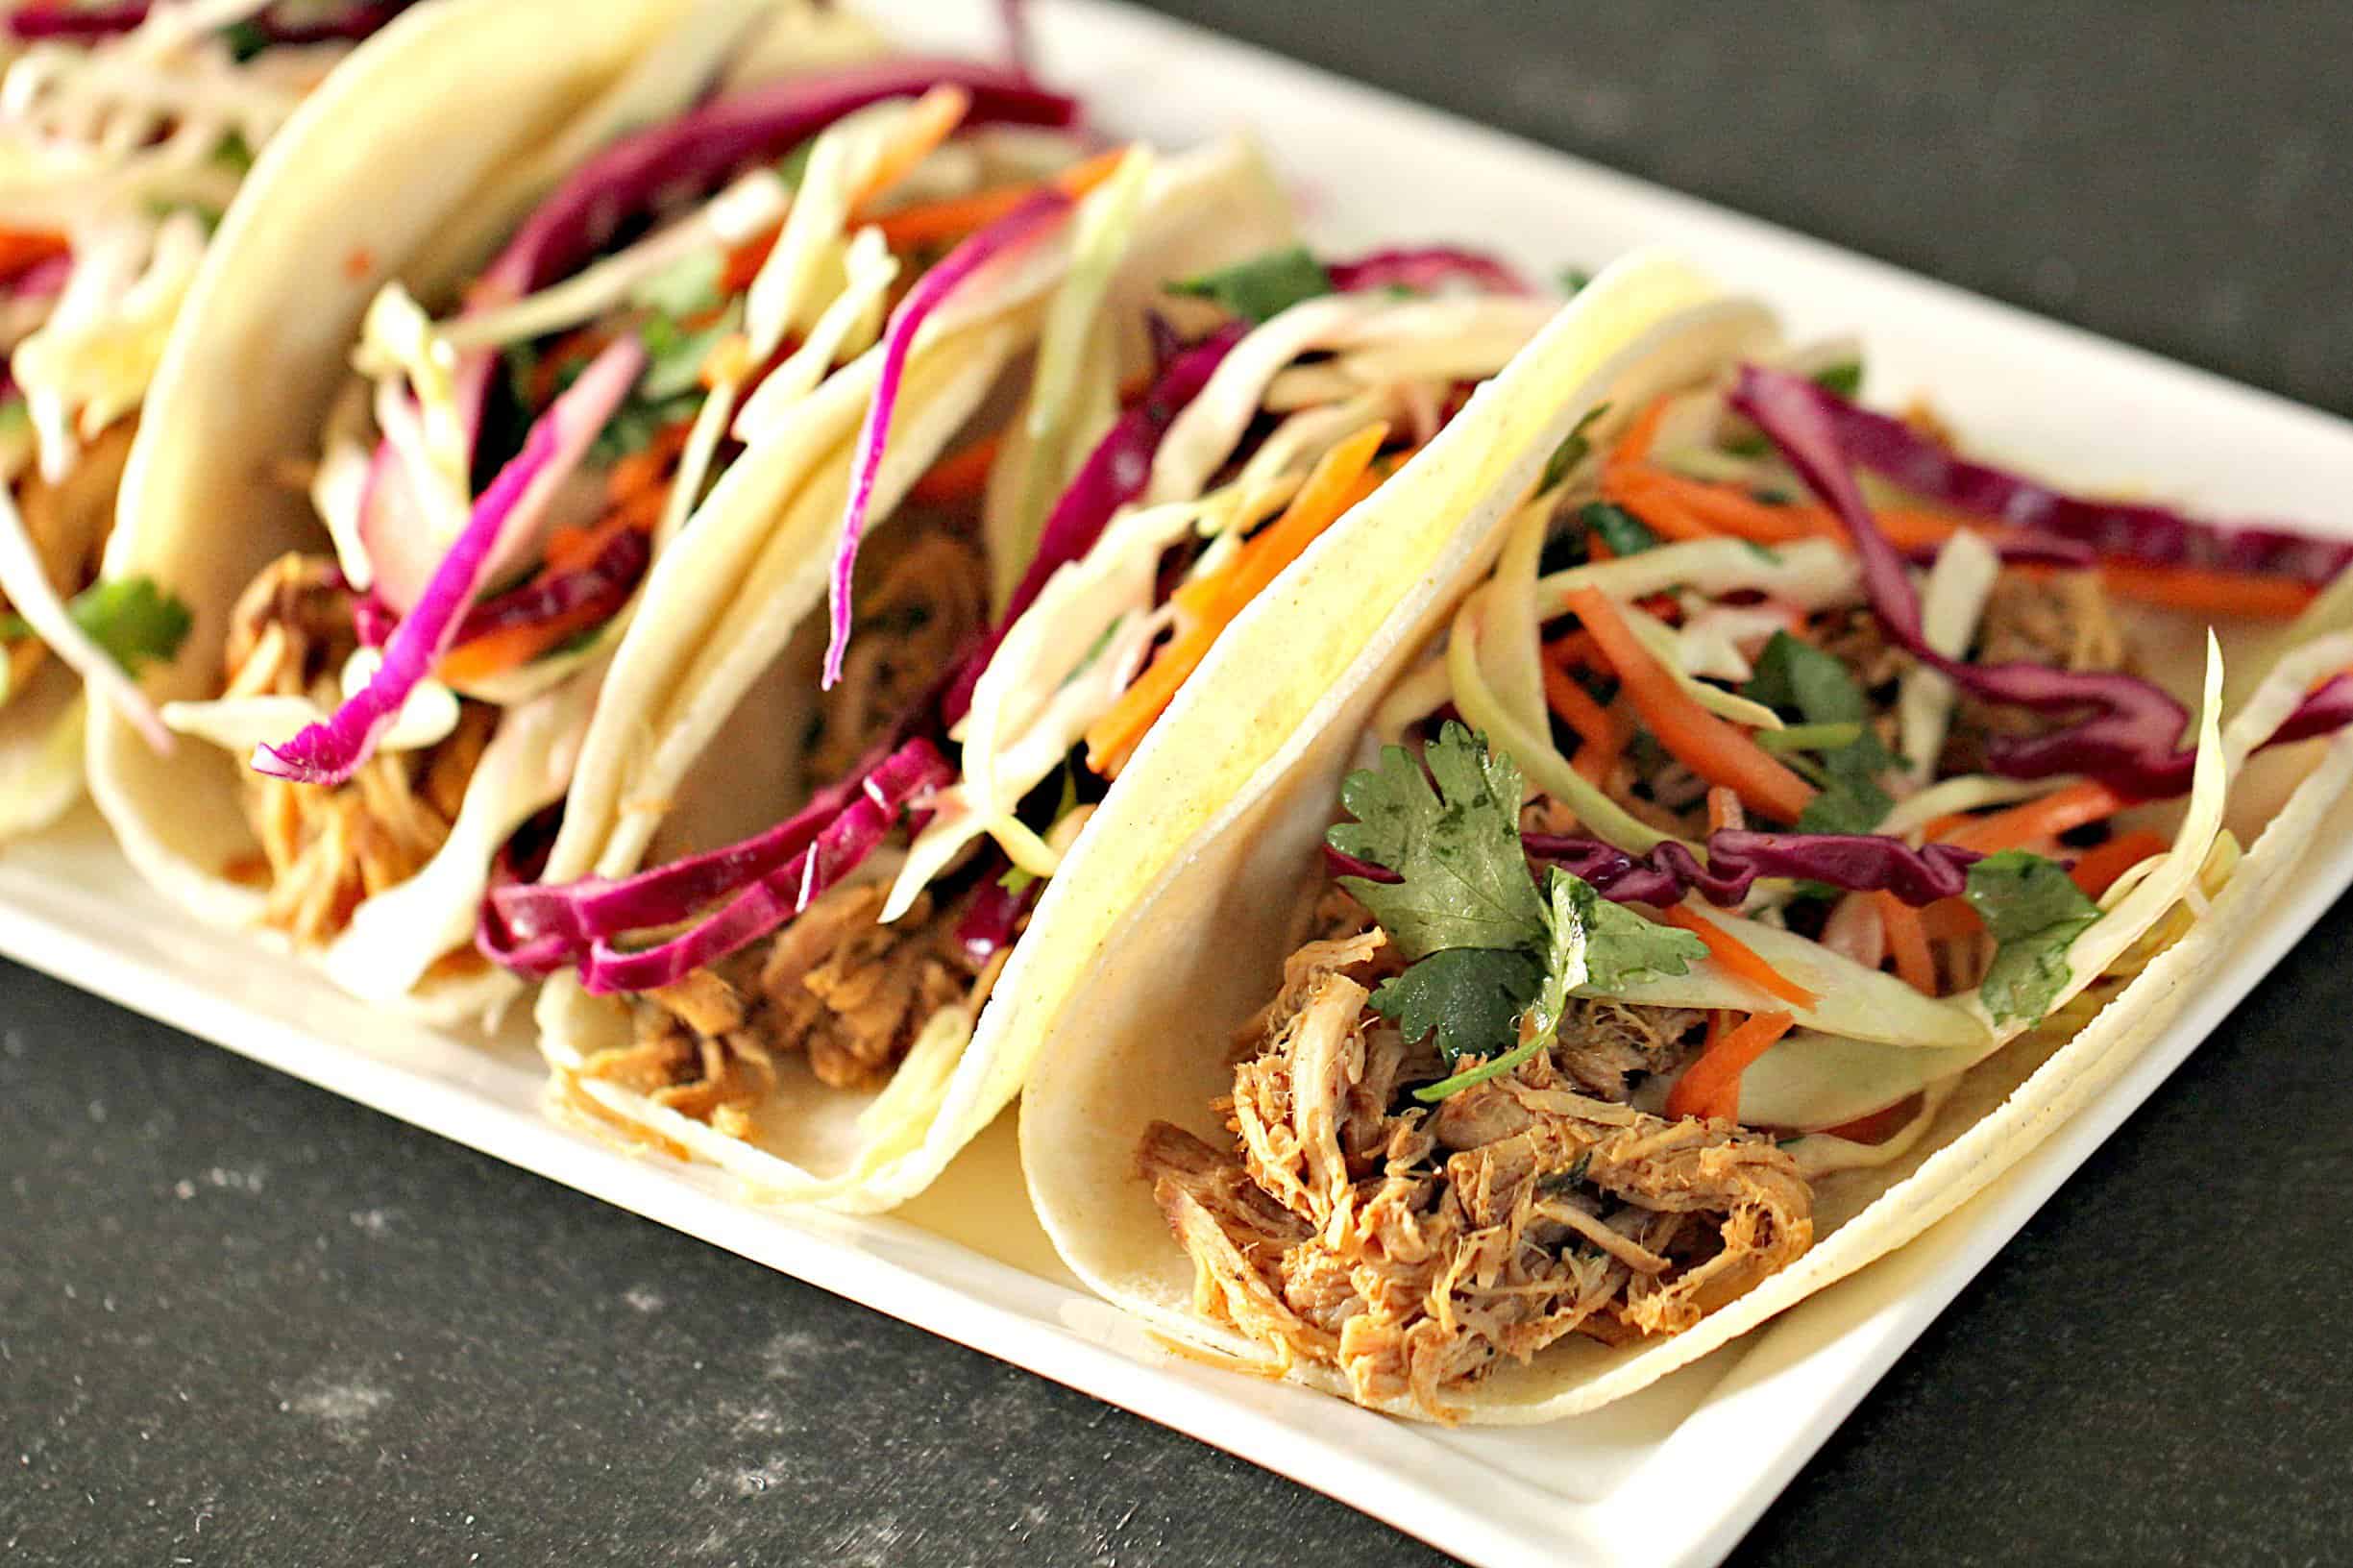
[1484, 946]
[1800, 682]
[134, 620]
[2036, 912]
[1572, 451]
[1625, 533]
[1262, 287]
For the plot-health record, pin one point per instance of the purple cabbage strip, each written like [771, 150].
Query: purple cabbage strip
[66, 21]
[699, 148]
[2123, 530]
[991, 920]
[1425, 270]
[331, 751]
[836, 849]
[1024, 224]
[607, 580]
[1337, 863]
[372, 621]
[1858, 862]
[1116, 473]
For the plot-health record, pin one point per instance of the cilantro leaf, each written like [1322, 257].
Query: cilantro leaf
[1625, 533]
[1798, 679]
[687, 287]
[2036, 912]
[1845, 378]
[1464, 879]
[1621, 949]
[135, 623]
[1573, 449]
[1262, 287]
[1564, 970]
[674, 354]
[1472, 996]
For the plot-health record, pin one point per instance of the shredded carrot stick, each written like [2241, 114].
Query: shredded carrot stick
[1661, 512]
[2095, 870]
[1633, 448]
[960, 475]
[510, 646]
[1737, 957]
[2055, 813]
[648, 467]
[2207, 592]
[932, 120]
[1724, 810]
[1581, 714]
[1908, 940]
[1341, 477]
[1578, 650]
[21, 250]
[1948, 920]
[1710, 1087]
[1716, 750]
[933, 222]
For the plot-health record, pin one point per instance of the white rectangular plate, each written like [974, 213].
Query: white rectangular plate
[1606, 1489]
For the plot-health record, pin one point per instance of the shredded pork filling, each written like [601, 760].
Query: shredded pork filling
[1410, 1246]
[67, 522]
[324, 851]
[835, 985]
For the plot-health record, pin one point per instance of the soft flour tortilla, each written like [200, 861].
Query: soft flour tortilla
[1142, 1033]
[448, 126]
[697, 738]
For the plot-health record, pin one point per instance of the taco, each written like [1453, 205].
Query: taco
[831, 1006]
[1753, 826]
[678, 252]
[124, 133]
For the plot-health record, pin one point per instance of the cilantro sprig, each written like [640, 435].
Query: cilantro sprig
[1262, 287]
[137, 623]
[1491, 960]
[2036, 912]
[1799, 680]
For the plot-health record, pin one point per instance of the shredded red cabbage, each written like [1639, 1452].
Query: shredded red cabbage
[1337, 863]
[1426, 270]
[1115, 473]
[86, 22]
[331, 751]
[1858, 862]
[699, 148]
[1024, 224]
[606, 582]
[993, 919]
[2123, 530]
[832, 851]
[372, 621]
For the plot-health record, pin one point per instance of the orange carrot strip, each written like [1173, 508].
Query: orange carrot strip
[1710, 1087]
[1716, 750]
[2055, 813]
[2095, 870]
[1577, 650]
[1581, 714]
[1737, 957]
[1334, 485]
[960, 475]
[932, 120]
[2207, 592]
[933, 222]
[21, 250]
[510, 646]
[1908, 940]
[1661, 512]
[1948, 920]
[1723, 810]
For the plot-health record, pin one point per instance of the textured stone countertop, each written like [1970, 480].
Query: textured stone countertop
[243, 1322]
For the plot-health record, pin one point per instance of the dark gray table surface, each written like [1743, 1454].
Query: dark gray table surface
[244, 1322]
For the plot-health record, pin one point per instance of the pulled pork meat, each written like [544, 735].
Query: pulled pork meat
[1407, 1247]
[67, 524]
[836, 986]
[929, 599]
[324, 851]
